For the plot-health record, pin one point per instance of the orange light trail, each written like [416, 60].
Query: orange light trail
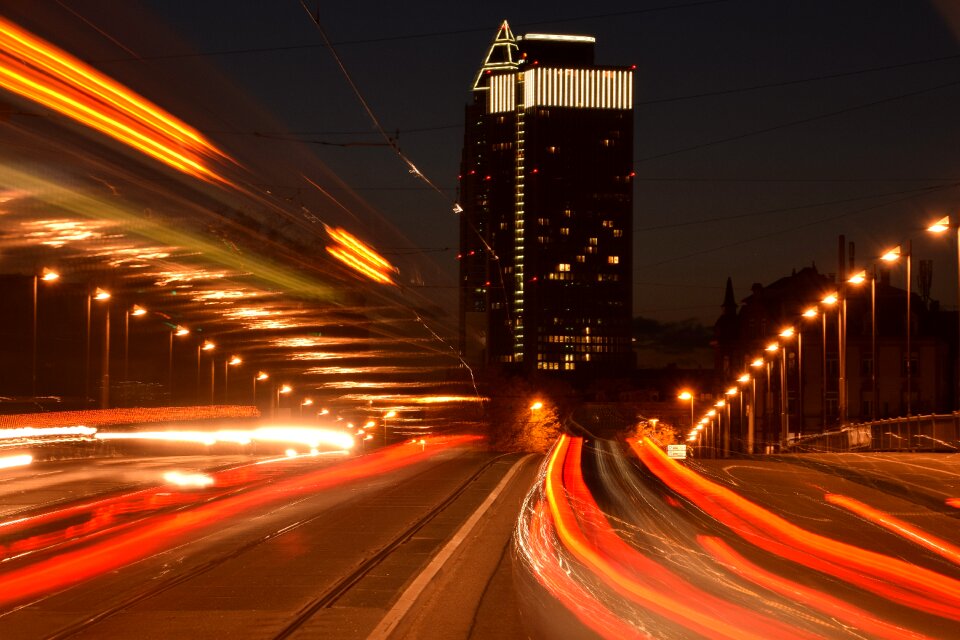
[594, 543]
[359, 256]
[883, 575]
[904, 529]
[147, 536]
[39, 71]
[818, 600]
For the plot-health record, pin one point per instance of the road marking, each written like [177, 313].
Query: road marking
[409, 597]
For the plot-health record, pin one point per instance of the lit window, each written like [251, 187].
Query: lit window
[563, 266]
[613, 259]
[564, 231]
[543, 221]
[552, 149]
[593, 242]
[567, 212]
[618, 233]
[581, 259]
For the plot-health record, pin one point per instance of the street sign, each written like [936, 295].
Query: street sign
[677, 451]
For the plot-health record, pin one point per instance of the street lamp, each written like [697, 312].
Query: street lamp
[232, 362]
[100, 295]
[786, 334]
[281, 389]
[47, 275]
[859, 279]
[259, 377]
[829, 300]
[206, 345]
[305, 403]
[687, 395]
[178, 331]
[940, 226]
[393, 414]
[136, 311]
[892, 256]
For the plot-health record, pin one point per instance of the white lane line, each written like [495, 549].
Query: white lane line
[409, 597]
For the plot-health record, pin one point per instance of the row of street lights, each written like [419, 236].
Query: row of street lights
[838, 298]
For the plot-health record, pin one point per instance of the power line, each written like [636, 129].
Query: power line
[414, 36]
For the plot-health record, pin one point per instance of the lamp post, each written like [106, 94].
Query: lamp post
[99, 295]
[892, 256]
[206, 345]
[940, 226]
[687, 395]
[752, 426]
[178, 331]
[732, 391]
[808, 314]
[711, 436]
[281, 389]
[306, 402]
[785, 334]
[829, 300]
[392, 414]
[233, 361]
[135, 311]
[859, 279]
[47, 275]
[259, 377]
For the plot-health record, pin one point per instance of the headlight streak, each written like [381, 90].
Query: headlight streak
[20, 460]
[133, 541]
[311, 437]
[891, 578]
[181, 479]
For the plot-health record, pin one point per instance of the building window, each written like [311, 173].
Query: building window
[618, 233]
[543, 221]
[581, 259]
[593, 242]
[564, 231]
[563, 266]
[551, 149]
[613, 259]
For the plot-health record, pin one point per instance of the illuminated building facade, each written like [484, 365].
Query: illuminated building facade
[546, 226]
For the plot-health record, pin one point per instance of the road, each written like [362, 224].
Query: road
[413, 541]
[632, 544]
[329, 550]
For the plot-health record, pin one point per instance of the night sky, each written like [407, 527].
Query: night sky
[763, 129]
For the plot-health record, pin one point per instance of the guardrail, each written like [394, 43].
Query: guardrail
[930, 433]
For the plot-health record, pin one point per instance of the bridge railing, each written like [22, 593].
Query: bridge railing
[929, 433]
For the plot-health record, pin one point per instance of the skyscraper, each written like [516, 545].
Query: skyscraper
[547, 208]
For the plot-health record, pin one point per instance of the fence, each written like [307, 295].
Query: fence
[931, 433]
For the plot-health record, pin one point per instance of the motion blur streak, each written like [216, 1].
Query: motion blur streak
[548, 564]
[813, 598]
[311, 437]
[884, 575]
[953, 502]
[535, 543]
[359, 256]
[21, 460]
[594, 543]
[152, 535]
[899, 527]
[39, 71]
[45, 432]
